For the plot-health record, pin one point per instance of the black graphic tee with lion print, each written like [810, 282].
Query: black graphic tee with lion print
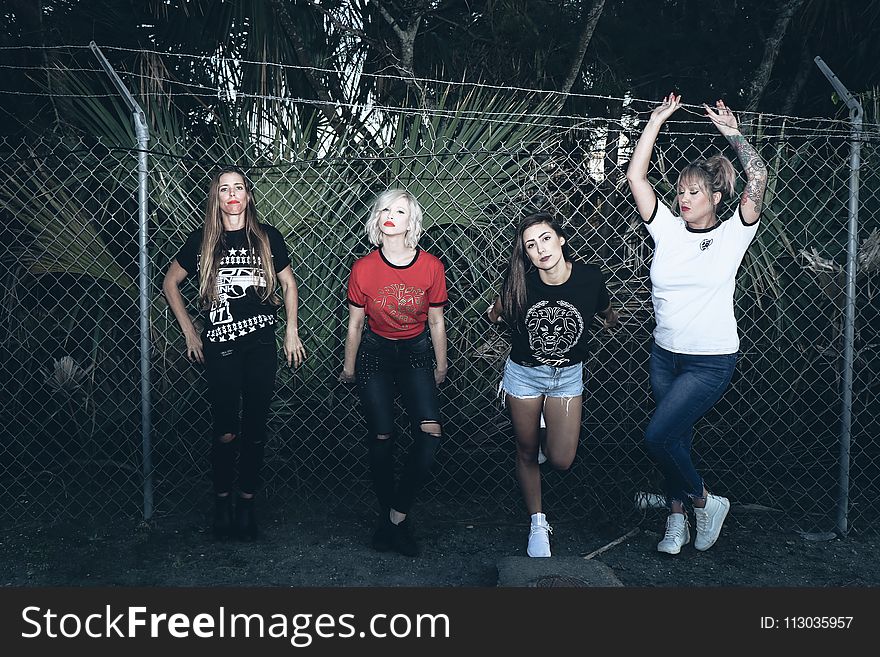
[556, 330]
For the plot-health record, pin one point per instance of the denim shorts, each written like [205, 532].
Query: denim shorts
[542, 380]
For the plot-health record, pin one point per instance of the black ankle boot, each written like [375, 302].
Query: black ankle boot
[403, 540]
[246, 519]
[222, 525]
[383, 535]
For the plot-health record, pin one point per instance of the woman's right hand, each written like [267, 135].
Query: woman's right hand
[346, 376]
[665, 109]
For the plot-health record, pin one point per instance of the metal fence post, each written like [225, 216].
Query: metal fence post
[143, 138]
[855, 113]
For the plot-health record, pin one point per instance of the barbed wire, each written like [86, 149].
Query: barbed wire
[327, 161]
[627, 101]
[500, 118]
[49, 68]
[53, 94]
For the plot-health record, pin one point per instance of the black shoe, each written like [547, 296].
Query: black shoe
[383, 536]
[403, 540]
[222, 525]
[246, 519]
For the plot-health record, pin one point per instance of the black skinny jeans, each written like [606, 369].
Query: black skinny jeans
[384, 367]
[241, 379]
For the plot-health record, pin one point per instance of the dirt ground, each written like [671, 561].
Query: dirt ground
[307, 550]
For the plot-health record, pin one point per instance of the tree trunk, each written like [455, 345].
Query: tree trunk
[805, 65]
[591, 19]
[407, 38]
[771, 52]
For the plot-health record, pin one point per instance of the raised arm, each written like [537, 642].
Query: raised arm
[756, 171]
[637, 171]
[171, 288]
[294, 352]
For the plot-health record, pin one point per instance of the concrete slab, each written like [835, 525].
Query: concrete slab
[554, 572]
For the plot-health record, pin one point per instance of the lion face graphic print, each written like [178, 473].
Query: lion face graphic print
[553, 329]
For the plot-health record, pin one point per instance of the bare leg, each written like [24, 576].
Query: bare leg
[563, 418]
[525, 415]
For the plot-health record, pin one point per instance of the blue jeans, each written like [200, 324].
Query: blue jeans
[685, 387]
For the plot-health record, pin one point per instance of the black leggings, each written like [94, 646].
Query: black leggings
[384, 367]
[241, 378]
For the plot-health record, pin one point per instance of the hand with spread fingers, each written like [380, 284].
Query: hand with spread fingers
[723, 118]
[665, 109]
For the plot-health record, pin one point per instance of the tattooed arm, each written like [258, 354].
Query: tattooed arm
[750, 202]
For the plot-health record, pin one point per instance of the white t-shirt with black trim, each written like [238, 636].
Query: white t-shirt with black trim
[693, 275]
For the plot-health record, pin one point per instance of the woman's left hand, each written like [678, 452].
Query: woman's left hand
[723, 118]
[611, 319]
[439, 376]
[294, 352]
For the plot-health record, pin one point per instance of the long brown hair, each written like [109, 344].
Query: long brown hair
[214, 241]
[513, 291]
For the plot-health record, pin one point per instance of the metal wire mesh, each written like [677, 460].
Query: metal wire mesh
[69, 352]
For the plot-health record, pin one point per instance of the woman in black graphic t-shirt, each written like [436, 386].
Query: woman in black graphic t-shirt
[239, 262]
[548, 301]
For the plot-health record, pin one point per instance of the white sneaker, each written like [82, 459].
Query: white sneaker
[539, 536]
[541, 457]
[677, 534]
[709, 521]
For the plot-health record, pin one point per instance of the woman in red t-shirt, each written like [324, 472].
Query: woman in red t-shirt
[400, 291]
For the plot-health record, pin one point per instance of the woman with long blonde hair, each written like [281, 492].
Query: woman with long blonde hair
[239, 262]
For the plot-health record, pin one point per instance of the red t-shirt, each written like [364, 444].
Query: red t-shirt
[396, 298]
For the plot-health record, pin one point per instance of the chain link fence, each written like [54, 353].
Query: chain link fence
[69, 343]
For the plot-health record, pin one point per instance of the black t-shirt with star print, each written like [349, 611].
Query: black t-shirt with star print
[556, 326]
[239, 313]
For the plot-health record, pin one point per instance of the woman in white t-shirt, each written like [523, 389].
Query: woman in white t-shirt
[693, 274]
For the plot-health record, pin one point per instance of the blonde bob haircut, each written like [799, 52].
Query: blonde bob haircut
[382, 202]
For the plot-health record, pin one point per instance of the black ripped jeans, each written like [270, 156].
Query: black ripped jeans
[385, 367]
[241, 379]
